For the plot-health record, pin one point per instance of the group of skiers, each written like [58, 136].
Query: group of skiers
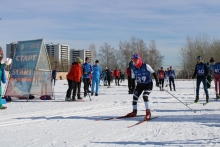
[203, 72]
[142, 71]
[168, 75]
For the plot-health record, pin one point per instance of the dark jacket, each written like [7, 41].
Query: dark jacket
[201, 71]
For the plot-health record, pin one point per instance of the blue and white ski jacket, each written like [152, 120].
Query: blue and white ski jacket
[143, 74]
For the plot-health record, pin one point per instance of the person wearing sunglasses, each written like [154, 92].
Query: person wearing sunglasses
[142, 72]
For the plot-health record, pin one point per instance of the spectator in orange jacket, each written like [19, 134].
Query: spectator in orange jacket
[74, 78]
[116, 73]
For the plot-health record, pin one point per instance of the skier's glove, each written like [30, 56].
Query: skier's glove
[157, 83]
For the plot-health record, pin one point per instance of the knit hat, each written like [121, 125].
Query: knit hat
[199, 58]
[212, 60]
[96, 61]
[79, 60]
[137, 56]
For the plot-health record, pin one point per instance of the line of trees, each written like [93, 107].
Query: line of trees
[202, 46]
[110, 57]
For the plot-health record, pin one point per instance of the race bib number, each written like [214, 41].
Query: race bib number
[141, 79]
[201, 72]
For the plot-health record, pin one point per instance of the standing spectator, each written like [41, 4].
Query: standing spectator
[73, 78]
[144, 84]
[216, 69]
[104, 77]
[2, 65]
[171, 75]
[209, 77]
[97, 70]
[77, 78]
[54, 75]
[161, 76]
[201, 71]
[166, 76]
[71, 83]
[116, 74]
[120, 76]
[87, 69]
[108, 75]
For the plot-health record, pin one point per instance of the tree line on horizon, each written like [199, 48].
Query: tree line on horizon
[110, 57]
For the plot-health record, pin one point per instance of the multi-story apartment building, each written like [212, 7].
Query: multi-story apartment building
[61, 53]
[80, 53]
[10, 49]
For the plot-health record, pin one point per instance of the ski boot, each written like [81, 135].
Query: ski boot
[196, 100]
[148, 115]
[217, 96]
[132, 114]
[207, 100]
[67, 99]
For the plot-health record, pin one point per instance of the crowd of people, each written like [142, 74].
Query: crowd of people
[91, 76]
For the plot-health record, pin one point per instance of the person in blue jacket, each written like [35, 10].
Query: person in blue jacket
[201, 73]
[97, 70]
[171, 75]
[87, 69]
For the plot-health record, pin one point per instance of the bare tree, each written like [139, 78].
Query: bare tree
[149, 54]
[107, 56]
[155, 58]
[199, 46]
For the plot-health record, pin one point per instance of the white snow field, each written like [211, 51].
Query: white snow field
[56, 123]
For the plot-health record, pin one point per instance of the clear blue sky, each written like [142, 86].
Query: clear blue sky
[78, 23]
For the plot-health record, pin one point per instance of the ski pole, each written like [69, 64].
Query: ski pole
[179, 100]
[194, 87]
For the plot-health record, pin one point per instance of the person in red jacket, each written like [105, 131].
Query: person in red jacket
[117, 76]
[73, 78]
[161, 76]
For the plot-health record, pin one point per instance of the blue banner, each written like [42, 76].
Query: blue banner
[25, 59]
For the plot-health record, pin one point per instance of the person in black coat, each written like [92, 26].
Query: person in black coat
[108, 74]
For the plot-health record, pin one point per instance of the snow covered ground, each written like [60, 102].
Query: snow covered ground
[57, 123]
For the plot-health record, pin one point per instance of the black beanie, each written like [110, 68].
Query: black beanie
[212, 60]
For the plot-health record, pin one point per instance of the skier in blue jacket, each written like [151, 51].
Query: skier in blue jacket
[143, 72]
[171, 75]
[97, 70]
